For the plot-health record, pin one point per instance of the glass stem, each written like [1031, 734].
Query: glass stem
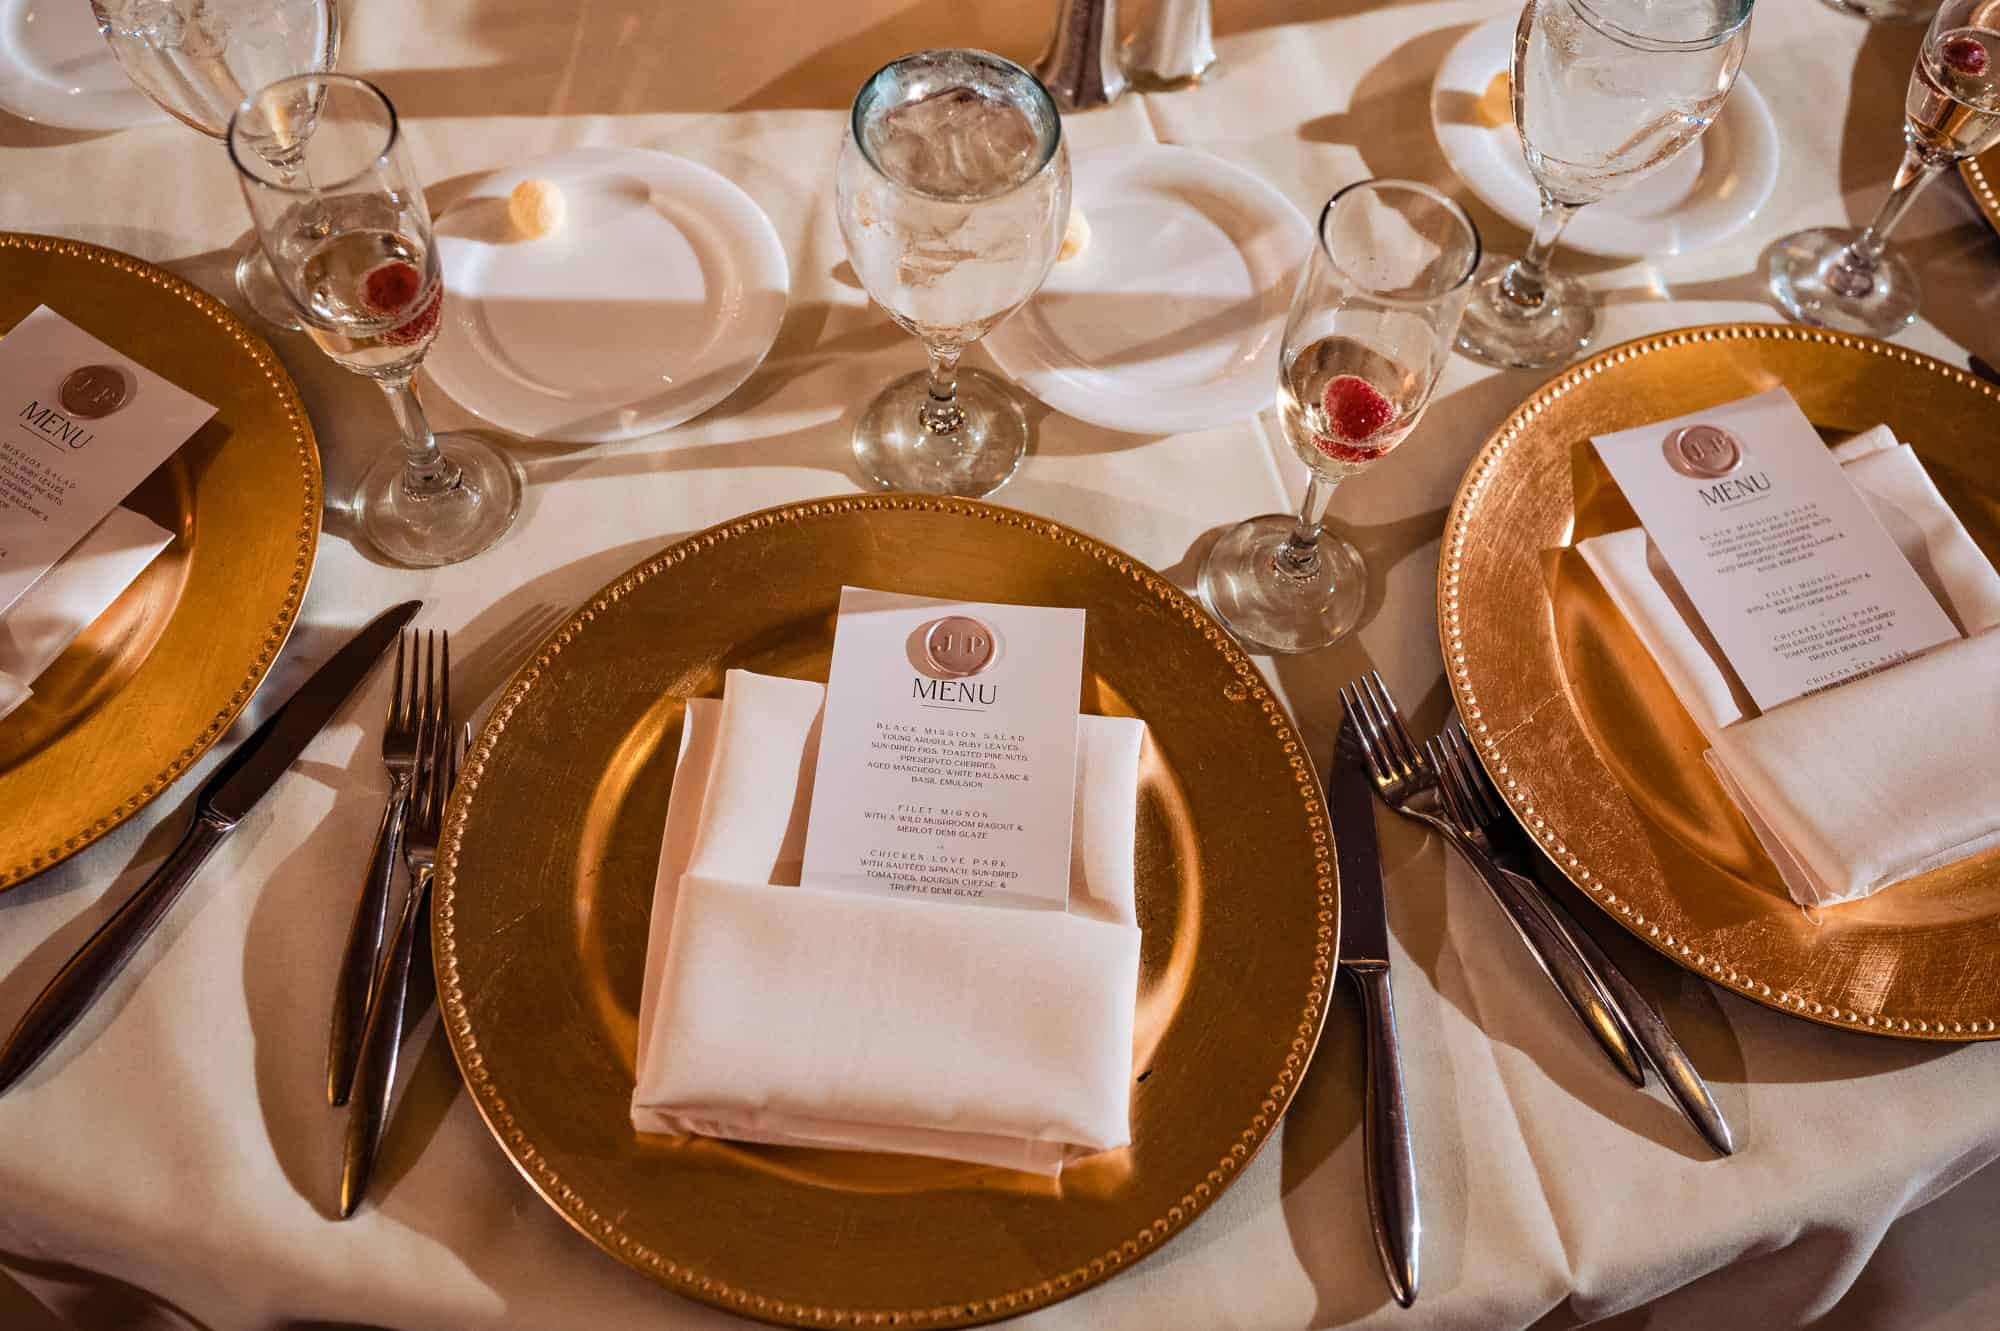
[1526, 281]
[427, 472]
[1299, 555]
[1854, 275]
[941, 412]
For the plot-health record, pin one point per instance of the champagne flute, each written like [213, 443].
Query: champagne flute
[1370, 330]
[952, 190]
[1605, 92]
[1838, 278]
[349, 238]
[198, 58]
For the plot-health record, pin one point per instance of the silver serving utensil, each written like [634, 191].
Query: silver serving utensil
[438, 755]
[1410, 788]
[1364, 958]
[361, 959]
[244, 777]
[1475, 805]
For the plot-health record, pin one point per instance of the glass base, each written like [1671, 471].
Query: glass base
[1268, 607]
[259, 287]
[896, 452]
[445, 528]
[1500, 332]
[1801, 269]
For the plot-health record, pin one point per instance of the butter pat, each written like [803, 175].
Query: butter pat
[536, 208]
[1076, 236]
[1496, 104]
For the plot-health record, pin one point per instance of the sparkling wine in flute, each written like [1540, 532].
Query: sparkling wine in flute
[373, 303]
[1345, 405]
[1953, 106]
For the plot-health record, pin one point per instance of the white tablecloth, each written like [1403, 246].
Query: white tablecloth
[173, 1162]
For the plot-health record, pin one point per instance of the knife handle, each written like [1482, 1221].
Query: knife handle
[1649, 1029]
[1558, 954]
[1391, 1164]
[90, 970]
[362, 957]
[375, 1074]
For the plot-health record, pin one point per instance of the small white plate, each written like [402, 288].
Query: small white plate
[659, 294]
[1171, 317]
[1712, 189]
[56, 70]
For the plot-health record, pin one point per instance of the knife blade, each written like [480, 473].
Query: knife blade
[230, 792]
[1364, 957]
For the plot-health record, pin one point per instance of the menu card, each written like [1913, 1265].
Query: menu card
[947, 752]
[85, 425]
[1786, 563]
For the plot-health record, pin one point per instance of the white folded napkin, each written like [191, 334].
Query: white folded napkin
[1863, 785]
[76, 590]
[810, 1017]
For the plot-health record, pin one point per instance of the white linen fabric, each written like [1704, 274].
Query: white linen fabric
[802, 1016]
[76, 590]
[1860, 786]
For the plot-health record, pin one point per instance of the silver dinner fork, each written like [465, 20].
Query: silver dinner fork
[439, 751]
[1406, 785]
[1475, 806]
[361, 960]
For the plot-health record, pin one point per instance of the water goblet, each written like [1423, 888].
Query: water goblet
[1605, 92]
[1838, 278]
[952, 190]
[349, 237]
[1370, 329]
[197, 59]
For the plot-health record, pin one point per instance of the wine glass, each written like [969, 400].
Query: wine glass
[1370, 330]
[349, 238]
[198, 58]
[952, 190]
[1837, 278]
[1605, 92]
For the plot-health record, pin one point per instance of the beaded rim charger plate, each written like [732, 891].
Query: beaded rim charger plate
[156, 679]
[1596, 756]
[1982, 177]
[545, 885]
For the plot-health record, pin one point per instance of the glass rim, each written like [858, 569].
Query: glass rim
[1625, 36]
[316, 187]
[1436, 196]
[1047, 99]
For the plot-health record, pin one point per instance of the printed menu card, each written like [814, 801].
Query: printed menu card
[1794, 575]
[947, 752]
[84, 426]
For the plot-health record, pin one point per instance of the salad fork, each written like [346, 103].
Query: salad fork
[1406, 785]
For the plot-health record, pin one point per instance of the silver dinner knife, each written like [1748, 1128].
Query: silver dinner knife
[230, 792]
[1364, 956]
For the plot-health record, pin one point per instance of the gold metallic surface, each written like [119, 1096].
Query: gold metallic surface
[545, 885]
[159, 676]
[1595, 754]
[1982, 177]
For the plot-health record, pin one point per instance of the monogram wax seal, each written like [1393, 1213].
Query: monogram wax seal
[94, 391]
[959, 646]
[1704, 452]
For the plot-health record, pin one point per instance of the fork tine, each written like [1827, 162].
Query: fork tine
[1364, 730]
[1477, 780]
[1404, 747]
[1450, 785]
[1377, 723]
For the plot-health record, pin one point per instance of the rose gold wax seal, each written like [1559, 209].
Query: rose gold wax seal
[1703, 451]
[959, 645]
[94, 391]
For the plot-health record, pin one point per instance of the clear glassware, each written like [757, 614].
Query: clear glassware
[1370, 330]
[349, 237]
[199, 58]
[1839, 278]
[952, 191]
[1605, 92]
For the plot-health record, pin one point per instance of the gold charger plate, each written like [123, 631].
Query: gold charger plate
[157, 678]
[1982, 177]
[1598, 758]
[545, 884]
